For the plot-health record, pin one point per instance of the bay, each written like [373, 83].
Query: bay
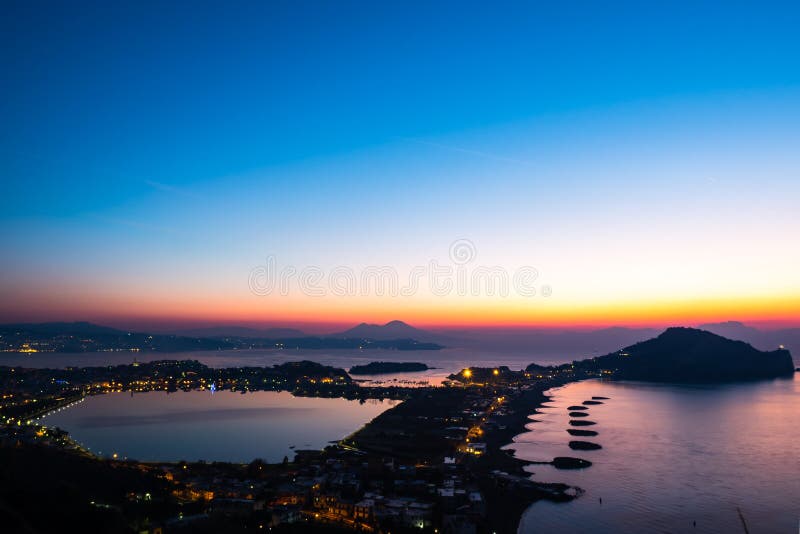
[675, 458]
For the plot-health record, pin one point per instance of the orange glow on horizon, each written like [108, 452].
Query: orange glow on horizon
[321, 315]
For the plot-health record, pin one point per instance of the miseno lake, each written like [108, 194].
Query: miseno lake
[675, 458]
[222, 426]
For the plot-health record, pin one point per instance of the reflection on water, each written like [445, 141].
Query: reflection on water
[197, 425]
[672, 455]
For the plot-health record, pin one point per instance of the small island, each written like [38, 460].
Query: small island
[566, 462]
[578, 432]
[584, 446]
[580, 422]
[378, 368]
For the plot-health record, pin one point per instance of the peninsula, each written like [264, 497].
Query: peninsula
[690, 355]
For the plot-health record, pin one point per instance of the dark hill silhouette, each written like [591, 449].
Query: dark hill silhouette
[77, 328]
[760, 339]
[241, 332]
[734, 330]
[692, 355]
[88, 337]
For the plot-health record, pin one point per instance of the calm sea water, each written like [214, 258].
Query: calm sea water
[446, 361]
[199, 425]
[672, 455]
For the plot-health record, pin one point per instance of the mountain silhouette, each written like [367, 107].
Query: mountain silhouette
[691, 355]
[391, 330]
[760, 339]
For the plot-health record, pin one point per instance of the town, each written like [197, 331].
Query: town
[432, 463]
[80, 337]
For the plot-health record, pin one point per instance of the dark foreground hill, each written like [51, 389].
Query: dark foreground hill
[691, 355]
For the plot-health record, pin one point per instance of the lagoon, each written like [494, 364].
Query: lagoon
[199, 425]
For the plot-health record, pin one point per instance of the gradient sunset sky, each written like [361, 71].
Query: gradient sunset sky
[644, 159]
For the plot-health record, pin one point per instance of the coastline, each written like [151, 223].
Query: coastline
[463, 432]
[505, 508]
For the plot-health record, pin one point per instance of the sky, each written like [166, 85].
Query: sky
[614, 163]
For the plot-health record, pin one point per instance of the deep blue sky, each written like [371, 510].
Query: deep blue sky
[176, 92]
[174, 144]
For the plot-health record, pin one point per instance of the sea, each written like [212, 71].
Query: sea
[674, 458]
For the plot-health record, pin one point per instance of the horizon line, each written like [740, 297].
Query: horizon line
[165, 325]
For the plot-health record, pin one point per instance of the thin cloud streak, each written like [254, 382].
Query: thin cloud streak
[481, 154]
[138, 225]
[167, 188]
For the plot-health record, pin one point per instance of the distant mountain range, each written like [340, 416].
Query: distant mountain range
[78, 328]
[557, 341]
[88, 337]
[761, 339]
[241, 332]
[574, 344]
[390, 330]
[569, 344]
